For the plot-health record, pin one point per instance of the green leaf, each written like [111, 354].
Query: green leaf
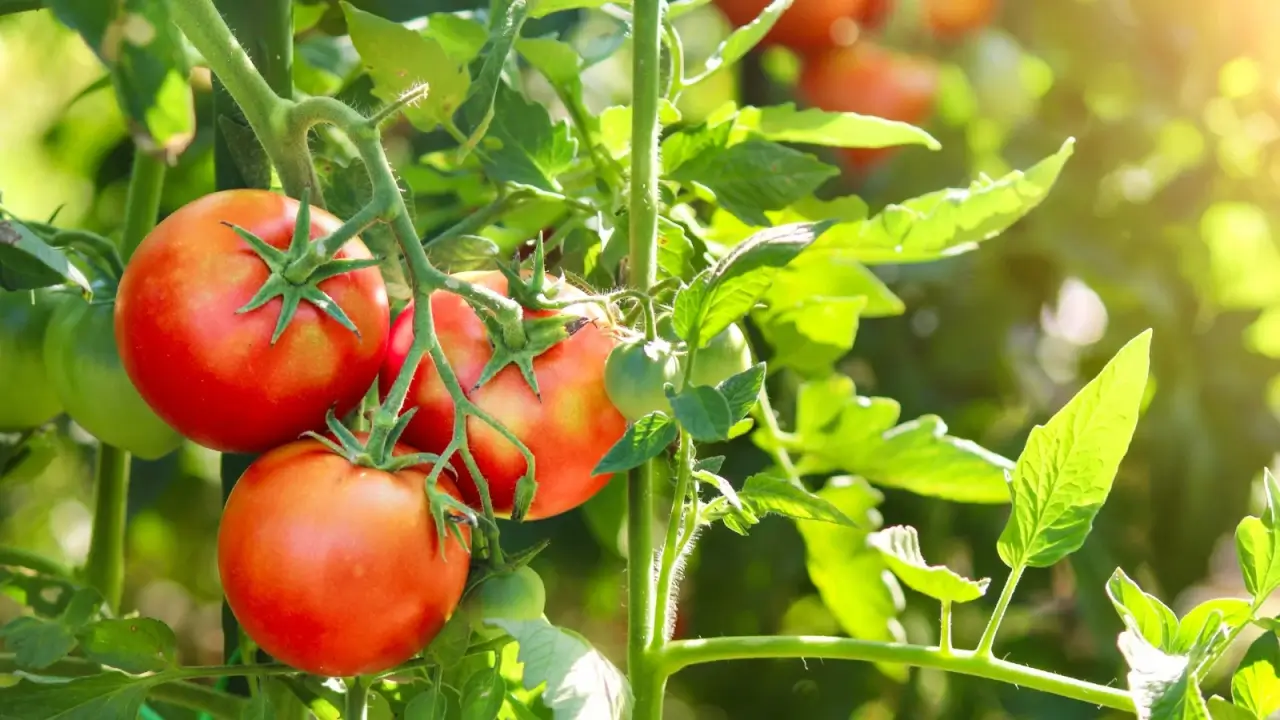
[399, 60]
[644, 440]
[1143, 613]
[812, 334]
[1207, 619]
[740, 41]
[478, 110]
[754, 176]
[543, 8]
[1066, 470]
[1255, 686]
[763, 494]
[675, 250]
[37, 644]
[581, 683]
[106, 696]
[247, 153]
[145, 54]
[462, 38]
[1258, 543]
[462, 252]
[741, 391]
[721, 296]
[558, 62]
[1221, 709]
[849, 575]
[722, 486]
[1163, 687]
[28, 263]
[259, 708]
[784, 123]
[702, 411]
[483, 695]
[135, 645]
[523, 145]
[900, 547]
[682, 148]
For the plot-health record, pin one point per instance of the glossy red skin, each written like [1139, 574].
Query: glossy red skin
[871, 80]
[952, 18]
[806, 26]
[336, 569]
[569, 431]
[212, 373]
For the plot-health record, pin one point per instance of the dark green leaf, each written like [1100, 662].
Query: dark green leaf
[144, 52]
[742, 391]
[259, 708]
[690, 304]
[581, 683]
[135, 645]
[1143, 613]
[462, 252]
[702, 411]
[901, 549]
[755, 176]
[37, 644]
[28, 263]
[483, 695]
[106, 696]
[434, 703]
[1066, 469]
[784, 123]
[523, 145]
[247, 153]
[710, 464]
[1255, 685]
[47, 595]
[740, 41]
[644, 440]
[476, 112]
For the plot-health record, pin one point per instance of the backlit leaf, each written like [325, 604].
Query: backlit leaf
[581, 683]
[754, 176]
[901, 549]
[813, 126]
[1255, 686]
[1143, 613]
[644, 440]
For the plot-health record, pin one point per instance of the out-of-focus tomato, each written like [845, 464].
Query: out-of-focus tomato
[953, 18]
[808, 25]
[27, 398]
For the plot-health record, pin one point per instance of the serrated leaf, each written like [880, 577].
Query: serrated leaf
[1142, 612]
[643, 440]
[813, 126]
[1066, 470]
[742, 391]
[523, 146]
[581, 683]
[754, 176]
[1258, 543]
[37, 644]
[105, 696]
[135, 645]
[1163, 687]
[478, 110]
[144, 52]
[483, 695]
[399, 60]
[764, 493]
[1255, 686]
[740, 41]
[29, 263]
[850, 576]
[684, 147]
[462, 252]
[901, 549]
[702, 411]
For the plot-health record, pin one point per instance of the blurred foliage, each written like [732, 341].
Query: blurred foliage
[1166, 217]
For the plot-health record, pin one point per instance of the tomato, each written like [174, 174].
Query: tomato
[517, 595]
[336, 569]
[806, 26]
[725, 356]
[213, 373]
[86, 372]
[568, 430]
[952, 18]
[27, 399]
[635, 374]
[871, 80]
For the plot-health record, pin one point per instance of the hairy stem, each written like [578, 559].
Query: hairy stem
[671, 549]
[683, 653]
[997, 616]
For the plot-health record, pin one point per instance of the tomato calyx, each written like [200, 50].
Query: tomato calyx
[297, 272]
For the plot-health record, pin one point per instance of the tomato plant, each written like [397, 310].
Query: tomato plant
[213, 372]
[29, 399]
[308, 541]
[87, 372]
[871, 80]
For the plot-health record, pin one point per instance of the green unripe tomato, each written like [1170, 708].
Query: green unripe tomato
[725, 356]
[26, 397]
[517, 595]
[634, 376]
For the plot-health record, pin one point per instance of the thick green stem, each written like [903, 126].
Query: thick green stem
[997, 616]
[944, 632]
[142, 204]
[18, 557]
[104, 569]
[672, 548]
[683, 653]
[357, 704]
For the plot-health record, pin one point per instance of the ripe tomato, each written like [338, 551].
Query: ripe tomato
[635, 374]
[86, 372]
[952, 18]
[725, 356]
[27, 399]
[336, 569]
[871, 80]
[806, 26]
[568, 430]
[213, 373]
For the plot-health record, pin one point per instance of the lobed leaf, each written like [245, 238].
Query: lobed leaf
[754, 176]
[581, 683]
[478, 110]
[105, 696]
[900, 547]
[526, 148]
[644, 440]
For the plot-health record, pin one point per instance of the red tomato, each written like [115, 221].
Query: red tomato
[806, 26]
[952, 18]
[871, 80]
[212, 373]
[568, 431]
[336, 569]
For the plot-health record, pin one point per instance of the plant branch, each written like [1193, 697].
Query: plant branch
[683, 653]
[17, 557]
[104, 568]
[671, 549]
[357, 703]
[997, 616]
[142, 204]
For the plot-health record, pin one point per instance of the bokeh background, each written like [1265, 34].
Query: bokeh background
[1165, 217]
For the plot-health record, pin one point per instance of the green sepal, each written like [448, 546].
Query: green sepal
[275, 258]
[400, 462]
[526, 489]
[438, 502]
[292, 296]
[334, 268]
[541, 335]
[398, 429]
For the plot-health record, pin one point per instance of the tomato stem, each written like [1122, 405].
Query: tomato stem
[672, 549]
[357, 704]
[146, 182]
[104, 568]
[997, 616]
